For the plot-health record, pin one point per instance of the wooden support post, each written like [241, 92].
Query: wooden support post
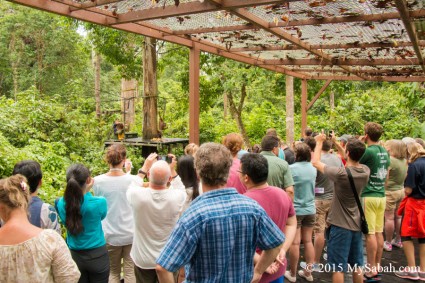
[194, 95]
[289, 110]
[303, 106]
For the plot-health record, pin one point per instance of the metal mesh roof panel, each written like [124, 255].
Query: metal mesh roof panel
[344, 39]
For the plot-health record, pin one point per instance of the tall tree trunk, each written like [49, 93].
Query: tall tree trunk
[128, 96]
[332, 100]
[14, 63]
[289, 110]
[96, 63]
[225, 102]
[40, 53]
[150, 98]
[236, 111]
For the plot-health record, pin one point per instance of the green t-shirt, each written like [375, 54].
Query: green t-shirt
[378, 160]
[279, 173]
[397, 174]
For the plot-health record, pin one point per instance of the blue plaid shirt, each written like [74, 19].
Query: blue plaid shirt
[216, 238]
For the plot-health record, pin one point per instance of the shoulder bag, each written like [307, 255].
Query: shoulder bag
[363, 222]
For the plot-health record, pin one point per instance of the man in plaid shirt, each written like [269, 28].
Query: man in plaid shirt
[216, 237]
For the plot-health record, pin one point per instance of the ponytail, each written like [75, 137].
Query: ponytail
[76, 176]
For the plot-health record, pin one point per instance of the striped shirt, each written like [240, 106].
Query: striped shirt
[216, 238]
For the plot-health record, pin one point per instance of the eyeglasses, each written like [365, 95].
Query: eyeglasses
[241, 172]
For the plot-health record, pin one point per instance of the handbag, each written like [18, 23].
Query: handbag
[363, 222]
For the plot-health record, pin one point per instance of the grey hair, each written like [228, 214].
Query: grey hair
[212, 163]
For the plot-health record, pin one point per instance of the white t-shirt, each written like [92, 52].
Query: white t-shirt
[118, 226]
[156, 213]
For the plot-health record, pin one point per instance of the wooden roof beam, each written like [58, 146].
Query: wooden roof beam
[331, 20]
[188, 8]
[369, 72]
[348, 19]
[96, 3]
[410, 28]
[347, 62]
[375, 79]
[327, 46]
[318, 94]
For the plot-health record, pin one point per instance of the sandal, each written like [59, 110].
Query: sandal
[371, 279]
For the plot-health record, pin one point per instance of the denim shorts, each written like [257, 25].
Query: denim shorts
[344, 247]
[279, 280]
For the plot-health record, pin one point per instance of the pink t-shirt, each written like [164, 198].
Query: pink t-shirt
[279, 208]
[233, 181]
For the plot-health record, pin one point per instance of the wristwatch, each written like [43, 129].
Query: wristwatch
[141, 172]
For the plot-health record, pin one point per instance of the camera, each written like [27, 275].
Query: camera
[329, 133]
[166, 158]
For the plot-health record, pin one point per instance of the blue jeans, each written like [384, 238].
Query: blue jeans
[279, 280]
[344, 247]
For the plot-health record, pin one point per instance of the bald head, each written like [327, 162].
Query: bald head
[160, 173]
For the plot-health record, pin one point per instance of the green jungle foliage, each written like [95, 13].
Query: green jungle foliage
[48, 108]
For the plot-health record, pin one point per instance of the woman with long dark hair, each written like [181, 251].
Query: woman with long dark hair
[82, 214]
[186, 171]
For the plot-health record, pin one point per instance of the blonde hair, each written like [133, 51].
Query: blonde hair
[15, 192]
[415, 151]
[396, 148]
[191, 149]
[233, 142]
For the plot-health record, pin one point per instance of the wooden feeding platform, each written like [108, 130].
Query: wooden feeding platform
[152, 145]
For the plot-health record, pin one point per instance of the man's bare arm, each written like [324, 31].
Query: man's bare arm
[267, 257]
[318, 152]
[290, 191]
[164, 276]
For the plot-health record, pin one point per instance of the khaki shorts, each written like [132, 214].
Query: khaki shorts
[306, 220]
[393, 199]
[374, 210]
[322, 209]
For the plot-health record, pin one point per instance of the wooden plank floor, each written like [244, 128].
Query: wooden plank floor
[396, 258]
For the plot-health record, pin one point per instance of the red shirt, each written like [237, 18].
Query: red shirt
[279, 208]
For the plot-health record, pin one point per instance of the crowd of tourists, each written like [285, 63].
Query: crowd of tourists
[220, 213]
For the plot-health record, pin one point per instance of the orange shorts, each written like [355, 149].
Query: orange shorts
[413, 221]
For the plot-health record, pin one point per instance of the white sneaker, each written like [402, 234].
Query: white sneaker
[302, 275]
[290, 277]
[315, 267]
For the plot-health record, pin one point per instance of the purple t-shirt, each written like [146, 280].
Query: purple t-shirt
[234, 181]
[279, 208]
